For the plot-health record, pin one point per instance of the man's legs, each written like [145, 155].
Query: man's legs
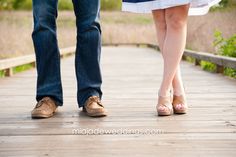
[88, 50]
[46, 49]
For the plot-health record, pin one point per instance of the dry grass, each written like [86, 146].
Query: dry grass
[15, 34]
[16, 28]
[127, 28]
[201, 29]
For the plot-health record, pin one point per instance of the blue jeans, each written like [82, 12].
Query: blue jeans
[87, 56]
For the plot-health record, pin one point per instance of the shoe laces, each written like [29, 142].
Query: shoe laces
[41, 102]
[96, 100]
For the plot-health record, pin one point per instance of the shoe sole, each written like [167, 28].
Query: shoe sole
[38, 116]
[180, 111]
[164, 114]
[96, 114]
[41, 116]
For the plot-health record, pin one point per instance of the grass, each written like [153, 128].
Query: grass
[116, 26]
[211, 67]
[231, 4]
[22, 68]
[120, 27]
[2, 73]
[208, 66]
[17, 69]
[230, 72]
[190, 59]
[125, 18]
[62, 5]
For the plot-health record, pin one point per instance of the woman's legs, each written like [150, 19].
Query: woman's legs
[172, 43]
[171, 26]
[161, 28]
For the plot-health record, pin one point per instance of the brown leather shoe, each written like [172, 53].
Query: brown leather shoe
[94, 108]
[44, 108]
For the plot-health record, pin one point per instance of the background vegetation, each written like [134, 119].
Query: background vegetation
[117, 26]
[62, 4]
[67, 4]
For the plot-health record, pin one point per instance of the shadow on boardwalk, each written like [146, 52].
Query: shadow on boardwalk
[131, 80]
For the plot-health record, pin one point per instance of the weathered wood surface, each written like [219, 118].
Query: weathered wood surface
[131, 79]
[221, 62]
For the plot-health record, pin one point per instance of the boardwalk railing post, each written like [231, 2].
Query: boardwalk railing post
[197, 62]
[219, 69]
[33, 64]
[9, 72]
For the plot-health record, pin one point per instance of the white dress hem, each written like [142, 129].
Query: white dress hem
[147, 7]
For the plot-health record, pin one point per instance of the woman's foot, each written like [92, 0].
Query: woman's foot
[164, 106]
[179, 104]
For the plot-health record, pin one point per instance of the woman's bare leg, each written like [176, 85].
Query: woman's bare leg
[177, 83]
[160, 23]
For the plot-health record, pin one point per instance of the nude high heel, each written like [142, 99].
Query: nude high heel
[179, 104]
[164, 106]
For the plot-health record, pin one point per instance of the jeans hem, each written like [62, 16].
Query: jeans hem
[57, 102]
[82, 100]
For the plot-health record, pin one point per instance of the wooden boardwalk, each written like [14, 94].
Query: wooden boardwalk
[131, 79]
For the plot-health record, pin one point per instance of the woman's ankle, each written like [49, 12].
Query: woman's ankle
[178, 92]
[164, 93]
[178, 89]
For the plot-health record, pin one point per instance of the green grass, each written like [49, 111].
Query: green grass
[110, 5]
[2, 73]
[226, 47]
[62, 5]
[190, 59]
[22, 68]
[225, 6]
[230, 72]
[17, 69]
[208, 66]
[65, 5]
[211, 67]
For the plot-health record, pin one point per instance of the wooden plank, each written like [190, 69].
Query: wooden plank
[220, 61]
[131, 79]
[113, 145]
[66, 128]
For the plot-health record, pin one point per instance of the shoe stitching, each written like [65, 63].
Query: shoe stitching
[96, 100]
[43, 101]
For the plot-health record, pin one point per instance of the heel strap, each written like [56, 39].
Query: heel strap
[178, 99]
[164, 101]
